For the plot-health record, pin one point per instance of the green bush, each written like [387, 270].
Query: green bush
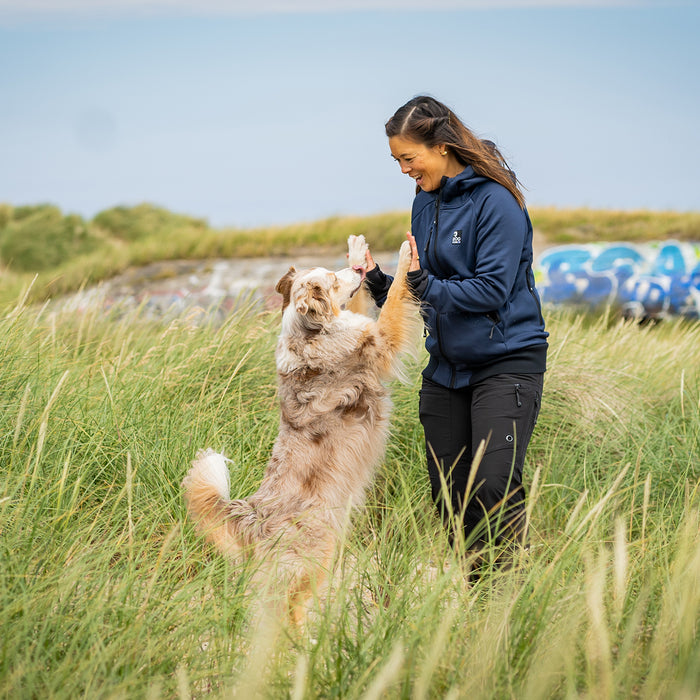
[26, 210]
[142, 221]
[66, 252]
[5, 216]
[40, 238]
[578, 226]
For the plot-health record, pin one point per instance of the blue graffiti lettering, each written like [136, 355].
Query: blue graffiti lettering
[654, 280]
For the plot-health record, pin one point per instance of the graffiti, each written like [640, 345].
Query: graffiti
[654, 280]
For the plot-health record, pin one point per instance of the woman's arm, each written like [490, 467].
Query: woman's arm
[501, 231]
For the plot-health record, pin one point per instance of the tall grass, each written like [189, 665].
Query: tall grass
[593, 225]
[65, 252]
[106, 591]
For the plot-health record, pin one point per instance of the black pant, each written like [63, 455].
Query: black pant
[502, 410]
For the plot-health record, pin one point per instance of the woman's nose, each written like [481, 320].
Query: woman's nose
[405, 168]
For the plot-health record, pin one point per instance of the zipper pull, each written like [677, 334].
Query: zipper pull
[517, 395]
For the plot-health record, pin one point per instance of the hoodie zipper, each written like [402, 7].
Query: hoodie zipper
[434, 227]
[495, 319]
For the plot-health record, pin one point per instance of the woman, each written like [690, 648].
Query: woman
[472, 270]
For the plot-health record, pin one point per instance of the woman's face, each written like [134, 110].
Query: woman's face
[425, 164]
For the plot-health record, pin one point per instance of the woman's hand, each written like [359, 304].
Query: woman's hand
[415, 260]
[370, 261]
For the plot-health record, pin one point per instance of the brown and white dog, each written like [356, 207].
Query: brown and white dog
[334, 421]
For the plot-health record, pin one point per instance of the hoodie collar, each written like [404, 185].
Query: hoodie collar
[451, 187]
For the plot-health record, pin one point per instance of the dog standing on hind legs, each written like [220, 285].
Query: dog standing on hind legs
[332, 365]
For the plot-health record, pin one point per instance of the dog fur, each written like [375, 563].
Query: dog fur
[332, 365]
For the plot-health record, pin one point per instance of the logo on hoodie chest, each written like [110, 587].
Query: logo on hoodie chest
[456, 237]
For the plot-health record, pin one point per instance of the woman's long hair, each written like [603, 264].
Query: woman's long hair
[425, 120]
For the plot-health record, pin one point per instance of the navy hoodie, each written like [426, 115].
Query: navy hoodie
[477, 287]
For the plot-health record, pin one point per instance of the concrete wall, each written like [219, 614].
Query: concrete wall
[653, 280]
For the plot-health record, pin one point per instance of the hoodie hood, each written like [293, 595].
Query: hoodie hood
[460, 184]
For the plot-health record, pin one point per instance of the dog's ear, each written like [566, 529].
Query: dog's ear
[311, 301]
[284, 287]
[319, 301]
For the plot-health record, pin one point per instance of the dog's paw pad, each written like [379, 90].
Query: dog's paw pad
[405, 251]
[357, 247]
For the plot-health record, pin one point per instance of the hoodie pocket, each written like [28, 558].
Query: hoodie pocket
[466, 339]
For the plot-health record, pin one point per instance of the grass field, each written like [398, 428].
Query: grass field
[107, 592]
[51, 253]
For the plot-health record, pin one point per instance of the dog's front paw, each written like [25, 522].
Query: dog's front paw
[404, 258]
[357, 248]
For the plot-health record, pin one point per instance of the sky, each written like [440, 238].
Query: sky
[271, 112]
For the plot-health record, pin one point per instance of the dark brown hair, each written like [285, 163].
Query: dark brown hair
[429, 122]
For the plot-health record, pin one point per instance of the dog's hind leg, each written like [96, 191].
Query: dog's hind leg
[309, 579]
[298, 598]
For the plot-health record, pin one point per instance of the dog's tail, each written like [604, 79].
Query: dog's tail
[207, 498]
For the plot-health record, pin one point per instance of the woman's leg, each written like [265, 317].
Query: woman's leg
[445, 416]
[504, 410]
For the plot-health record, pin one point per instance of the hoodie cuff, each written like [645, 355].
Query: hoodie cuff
[417, 281]
[377, 283]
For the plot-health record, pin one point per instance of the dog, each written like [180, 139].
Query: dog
[332, 365]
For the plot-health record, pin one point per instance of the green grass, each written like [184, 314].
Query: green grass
[595, 225]
[49, 254]
[106, 591]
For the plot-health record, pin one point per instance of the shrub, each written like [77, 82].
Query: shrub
[39, 238]
[5, 216]
[142, 221]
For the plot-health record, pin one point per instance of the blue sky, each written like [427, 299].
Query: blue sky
[272, 112]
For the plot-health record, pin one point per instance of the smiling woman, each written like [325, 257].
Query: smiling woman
[471, 241]
[433, 138]
[427, 165]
